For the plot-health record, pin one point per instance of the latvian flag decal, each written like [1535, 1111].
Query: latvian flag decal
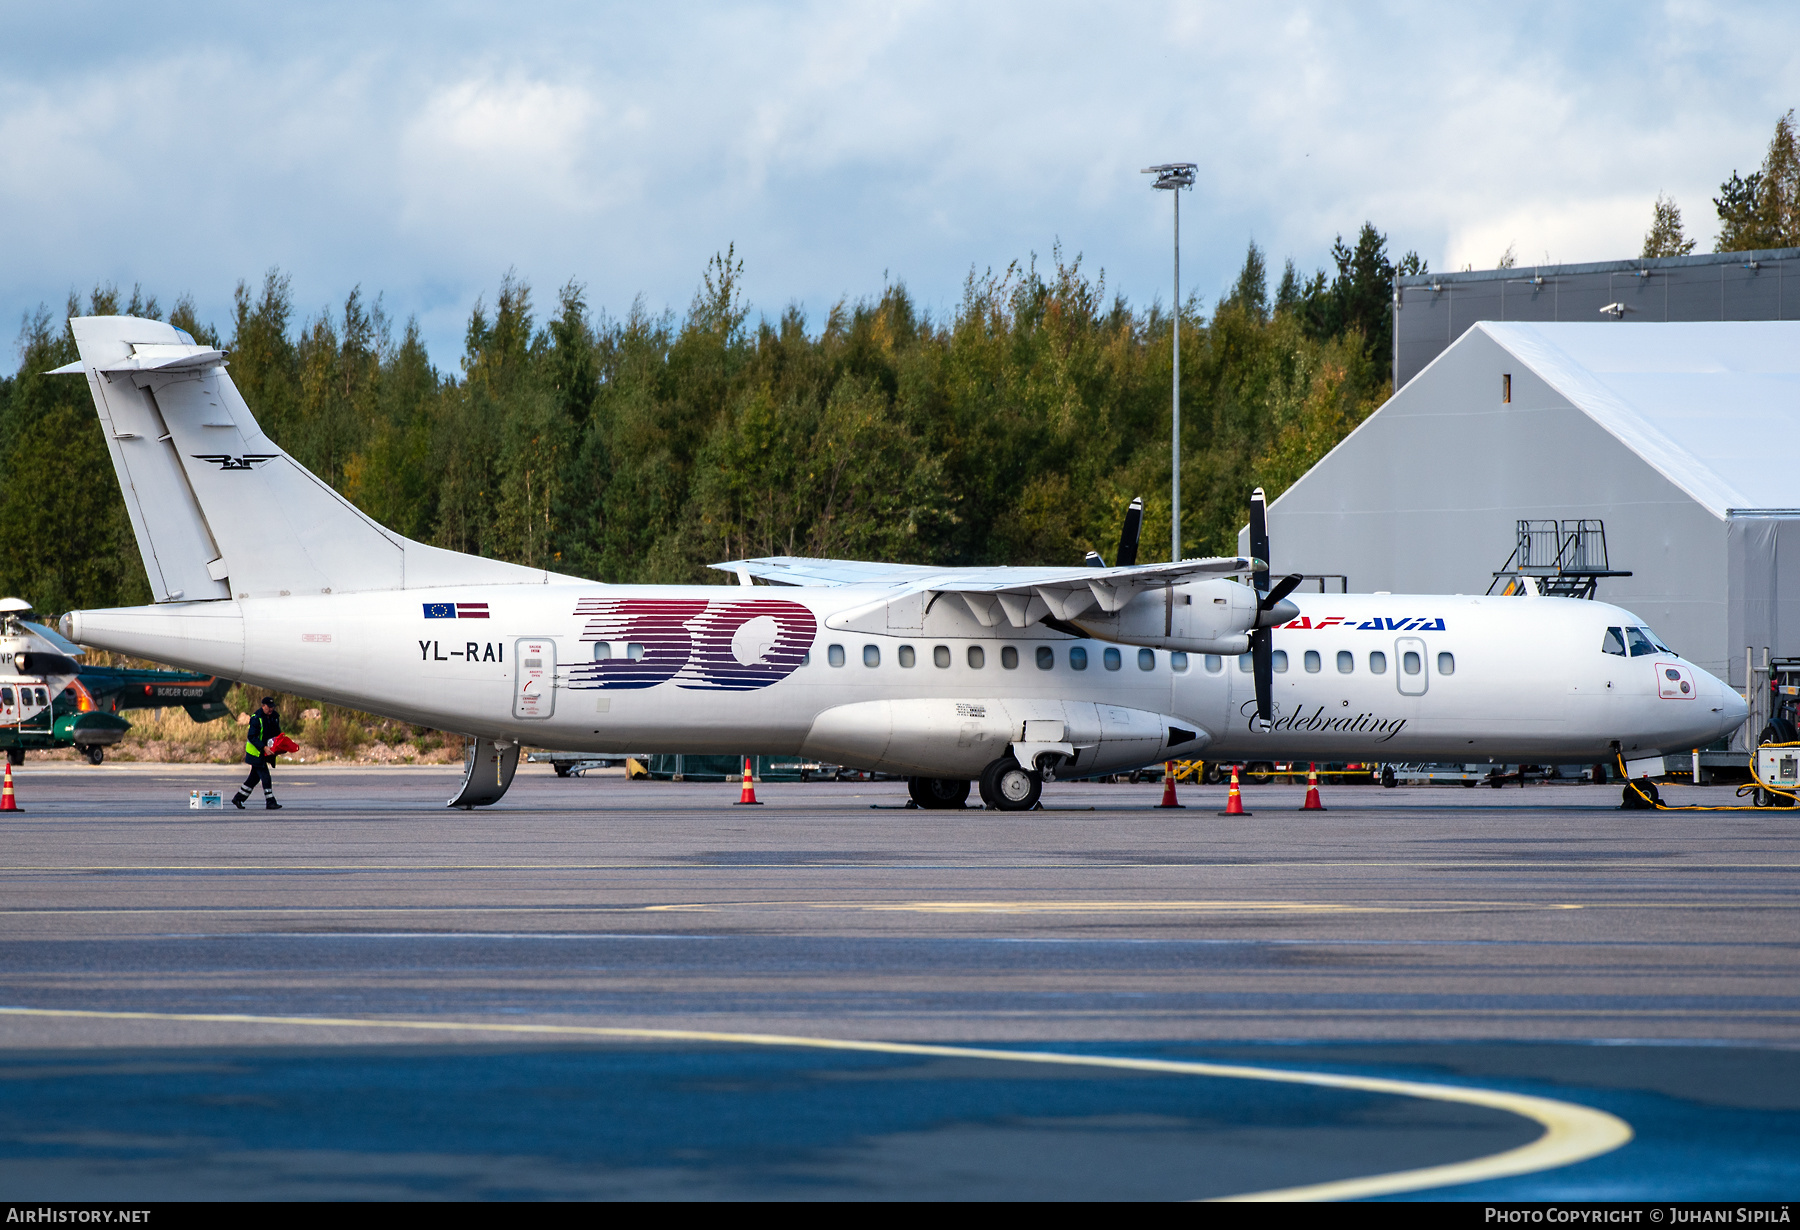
[456, 610]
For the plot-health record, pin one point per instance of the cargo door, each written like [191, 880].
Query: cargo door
[534, 678]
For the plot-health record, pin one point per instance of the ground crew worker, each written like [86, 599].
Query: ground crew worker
[265, 724]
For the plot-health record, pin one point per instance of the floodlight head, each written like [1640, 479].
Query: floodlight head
[1173, 175]
[1616, 310]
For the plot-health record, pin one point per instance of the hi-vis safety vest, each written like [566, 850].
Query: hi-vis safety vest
[259, 734]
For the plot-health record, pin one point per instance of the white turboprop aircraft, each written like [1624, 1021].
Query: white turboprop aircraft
[1007, 676]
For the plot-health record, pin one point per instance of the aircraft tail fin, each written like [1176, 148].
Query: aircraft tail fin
[219, 510]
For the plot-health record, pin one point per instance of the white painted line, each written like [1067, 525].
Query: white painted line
[1572, 1133]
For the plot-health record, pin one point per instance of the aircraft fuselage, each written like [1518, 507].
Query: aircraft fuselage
[824, 672]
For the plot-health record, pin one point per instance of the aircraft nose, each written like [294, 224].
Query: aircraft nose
[1728, 707]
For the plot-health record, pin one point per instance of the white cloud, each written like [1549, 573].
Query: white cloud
[423, 152]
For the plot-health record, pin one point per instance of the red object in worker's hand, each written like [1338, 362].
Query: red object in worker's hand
[281, 745]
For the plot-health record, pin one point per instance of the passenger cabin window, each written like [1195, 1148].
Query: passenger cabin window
[1378, 663]
[634, 651]
[908, 658]
[602, 651]
[1312, 661]
[871, 655]
[1111, 660]
[835, 655]
[1214, 663]
[1640, 642]
[1613, 642]
[1280, 659]
[1409, 662]
[1009, 658]
[1147, 659]
[1077, 658]
[806, 658]
[1446, 664]
[977, 657]
[1245, 666]
[940, 656]
[1178, 662]
[1046, 657]
[6, 697]
[1346, 662]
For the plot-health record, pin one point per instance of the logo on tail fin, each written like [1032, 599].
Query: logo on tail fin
[249, 461]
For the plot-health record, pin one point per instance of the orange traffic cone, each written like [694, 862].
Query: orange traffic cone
[1234, 802]
[1169, 785]
[7, 802]
[748, 797]
[1312, 790]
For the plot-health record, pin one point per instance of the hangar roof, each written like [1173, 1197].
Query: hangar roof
[1714, 406]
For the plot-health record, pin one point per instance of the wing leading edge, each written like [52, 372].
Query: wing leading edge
[1020, 596]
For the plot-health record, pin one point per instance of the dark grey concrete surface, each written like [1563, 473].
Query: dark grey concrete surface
[1538, 940]
[1535, 913]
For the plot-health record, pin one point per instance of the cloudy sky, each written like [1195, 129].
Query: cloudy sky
[423, 150]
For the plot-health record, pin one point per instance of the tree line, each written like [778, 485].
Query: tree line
[641, 448]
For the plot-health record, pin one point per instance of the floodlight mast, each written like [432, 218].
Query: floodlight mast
[1173, 177]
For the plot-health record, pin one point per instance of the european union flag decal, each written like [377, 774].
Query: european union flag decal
[456, 610]
[440, 610]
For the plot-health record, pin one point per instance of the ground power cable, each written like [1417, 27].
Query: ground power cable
[1651, 800]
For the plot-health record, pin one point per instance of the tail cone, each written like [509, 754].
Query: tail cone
[7, 801]
[1234, 802]
[1312, 790]
[748, 797]
[1169, 785]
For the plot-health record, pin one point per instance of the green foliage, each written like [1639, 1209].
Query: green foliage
[642, 449]
[1665, 237]
[1359, 299]
[1762, 210]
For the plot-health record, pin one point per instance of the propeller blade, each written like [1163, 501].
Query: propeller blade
[1282, 589]
[1262, 661]
[1128, 536]
[1259, 538]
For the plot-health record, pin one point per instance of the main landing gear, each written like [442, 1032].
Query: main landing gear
[938, 793]
[1005, 786]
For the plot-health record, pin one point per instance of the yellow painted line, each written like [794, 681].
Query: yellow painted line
[1110, 907]
[1064, 865]
[871, 907]
[1572, 1133]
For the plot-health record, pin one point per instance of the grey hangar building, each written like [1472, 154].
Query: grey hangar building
[1596, 414]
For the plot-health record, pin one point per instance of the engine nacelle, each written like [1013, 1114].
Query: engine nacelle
[1199, 617]
[959, 738]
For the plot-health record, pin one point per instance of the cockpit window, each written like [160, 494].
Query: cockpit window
[1613, 642]
[1640, 642]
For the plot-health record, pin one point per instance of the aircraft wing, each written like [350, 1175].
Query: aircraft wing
[1022, 596]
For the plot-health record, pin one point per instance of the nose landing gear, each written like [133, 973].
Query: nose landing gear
[1005, 786]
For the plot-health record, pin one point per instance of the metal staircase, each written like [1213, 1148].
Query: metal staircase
[1556, 559]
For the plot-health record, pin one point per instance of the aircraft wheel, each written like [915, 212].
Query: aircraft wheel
[1258, 774]
[94, 752]
[1006, 786]
[938, 793]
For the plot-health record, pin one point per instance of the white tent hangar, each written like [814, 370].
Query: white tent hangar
[1683, 438]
